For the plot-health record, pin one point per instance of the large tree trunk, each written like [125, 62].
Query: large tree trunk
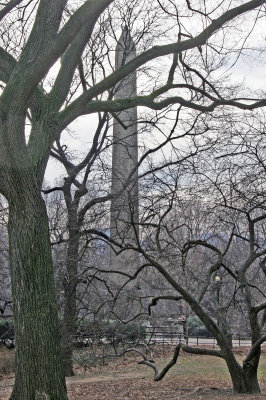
[39, 373]
[70, 308]
[70, 280]
[245, 380]
[250, 376]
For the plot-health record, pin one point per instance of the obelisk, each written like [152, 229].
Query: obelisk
[124, 206]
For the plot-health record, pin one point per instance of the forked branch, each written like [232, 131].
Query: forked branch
[159, 375]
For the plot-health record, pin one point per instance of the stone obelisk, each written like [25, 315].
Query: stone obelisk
[124, 206]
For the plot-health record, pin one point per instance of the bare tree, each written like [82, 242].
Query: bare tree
[204, 233]
[55, 32]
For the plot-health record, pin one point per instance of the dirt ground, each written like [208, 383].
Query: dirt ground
[193, 377]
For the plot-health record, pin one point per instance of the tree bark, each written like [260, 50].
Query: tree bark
[70, 308]
[245, 380]
[39, 373]
[250, 376]
[70, 280]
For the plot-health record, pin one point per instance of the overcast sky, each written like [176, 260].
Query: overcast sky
[247, 70]
[82, 130]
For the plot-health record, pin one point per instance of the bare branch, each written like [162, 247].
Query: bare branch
[259, 308]
[198, 350]
[9, 6]
[54, 189]
[252, 352]
[82, 105]
[155, 300]
[159, 375]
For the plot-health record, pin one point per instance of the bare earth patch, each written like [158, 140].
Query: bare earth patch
[194, 377]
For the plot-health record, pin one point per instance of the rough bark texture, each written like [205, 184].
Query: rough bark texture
[250, 377]
[39, 373]
[245, 380]
[70, 288]
[68, 329]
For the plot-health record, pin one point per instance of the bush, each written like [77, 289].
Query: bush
[112, 331]
[127, 333]
[196, 327]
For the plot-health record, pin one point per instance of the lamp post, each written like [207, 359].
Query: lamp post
[221, 318]
[218, 283]
[217, 287]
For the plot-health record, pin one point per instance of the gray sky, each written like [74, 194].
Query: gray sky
[250, 70]
[82, 130]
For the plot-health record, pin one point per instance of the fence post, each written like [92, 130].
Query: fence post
[103, 356]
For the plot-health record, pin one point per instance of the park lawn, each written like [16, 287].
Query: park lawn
[207, 366]
[203, 367]
[193, 377]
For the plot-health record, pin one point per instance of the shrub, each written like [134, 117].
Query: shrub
[196, 327]
[112, 331]
[128, 333]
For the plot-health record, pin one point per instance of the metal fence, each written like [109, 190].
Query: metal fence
[164, 335]
[169, 335]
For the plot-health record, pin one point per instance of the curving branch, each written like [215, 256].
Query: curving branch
[259, 308]
[82, 104]
[252, 352]
[206, 352]
[155, 300]
[192, 243]
[158, 376]
[79, 107]
[141, 353]
[8, 7]
[54, 189]
[214, 267]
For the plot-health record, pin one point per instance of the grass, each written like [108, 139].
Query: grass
[123, 378]
[201, 367]
[207, 367]
[193, 377]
